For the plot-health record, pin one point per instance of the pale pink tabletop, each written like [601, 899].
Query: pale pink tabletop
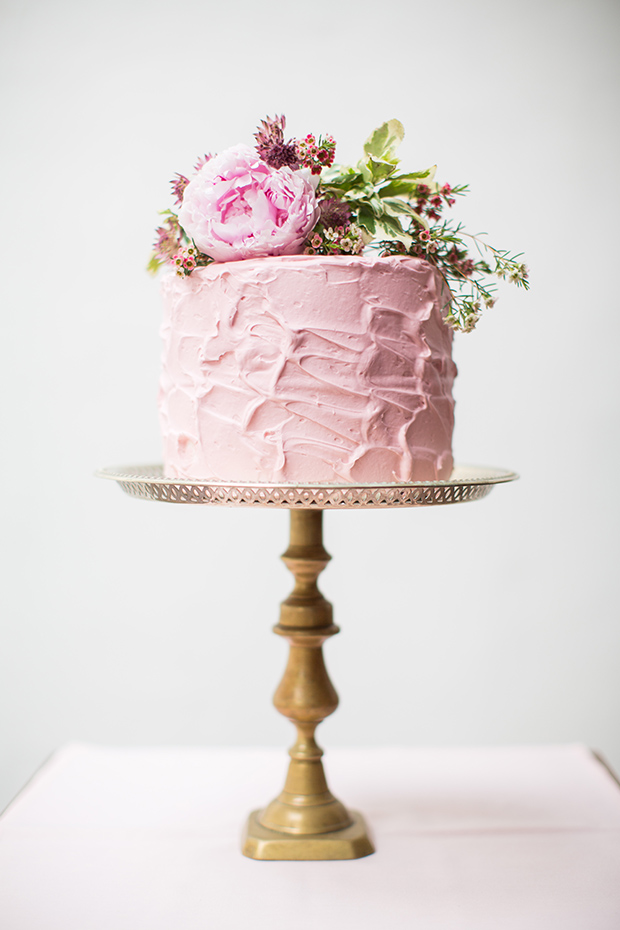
[467, 839]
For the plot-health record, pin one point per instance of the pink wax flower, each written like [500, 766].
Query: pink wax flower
[237, 206]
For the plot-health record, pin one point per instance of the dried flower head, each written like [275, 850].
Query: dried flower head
[168, 239]
[271, 146]
[179, 183]
[334, 212]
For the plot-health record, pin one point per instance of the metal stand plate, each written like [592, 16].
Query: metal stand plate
[467, 483]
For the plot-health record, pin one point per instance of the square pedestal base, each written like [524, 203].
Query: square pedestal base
[351, 843]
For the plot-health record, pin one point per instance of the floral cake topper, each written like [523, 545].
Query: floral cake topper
[286, 197]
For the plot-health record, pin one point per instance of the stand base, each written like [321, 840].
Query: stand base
[350, 843]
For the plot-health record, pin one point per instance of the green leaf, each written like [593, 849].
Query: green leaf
[154, 264]
[328, 190]
[428, 173]
[391, 225]
[366, 219]
[380, 170]
[406, 183]
[398, 207]
[397, 187]
[343, 178]
[395, 207]
[383, 142]
[376, 205]
[363, 194]
[365, 171]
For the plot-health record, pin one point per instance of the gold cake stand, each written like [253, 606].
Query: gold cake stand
[306, 821]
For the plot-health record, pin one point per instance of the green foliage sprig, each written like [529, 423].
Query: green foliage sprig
[400, 213]
[375, 193]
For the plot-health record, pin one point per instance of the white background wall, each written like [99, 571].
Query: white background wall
[127, 622]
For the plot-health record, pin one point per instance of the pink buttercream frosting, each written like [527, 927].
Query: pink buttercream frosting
[307, 369]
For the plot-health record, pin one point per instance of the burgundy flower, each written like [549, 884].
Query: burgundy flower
[334, 212]
[271, 146]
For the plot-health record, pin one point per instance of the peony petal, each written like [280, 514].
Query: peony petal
[238, 207]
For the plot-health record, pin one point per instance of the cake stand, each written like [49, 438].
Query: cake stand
[306, 821]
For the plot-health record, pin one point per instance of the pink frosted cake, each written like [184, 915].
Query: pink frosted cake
[291, 354]
[307, 369]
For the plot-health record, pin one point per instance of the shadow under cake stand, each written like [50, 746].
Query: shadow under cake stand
[306, 821]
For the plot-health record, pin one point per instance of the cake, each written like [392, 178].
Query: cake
[307, 368]
[309, 310]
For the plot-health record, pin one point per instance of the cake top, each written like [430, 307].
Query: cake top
[286, 197]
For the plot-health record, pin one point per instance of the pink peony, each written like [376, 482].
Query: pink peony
[237, 207]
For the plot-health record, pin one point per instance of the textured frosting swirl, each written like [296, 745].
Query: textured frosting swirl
[307, 369]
